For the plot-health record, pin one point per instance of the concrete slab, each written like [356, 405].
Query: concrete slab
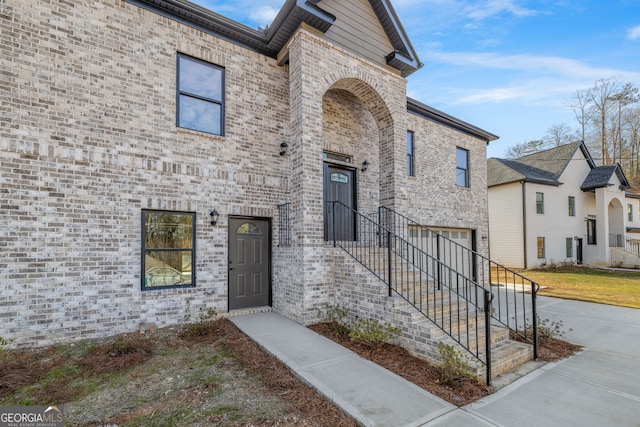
[459, 418]
[370, 394]
[551, 399]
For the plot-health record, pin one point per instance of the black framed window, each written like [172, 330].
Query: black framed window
[541, 248]
[540, 203]
[168, 249]
[591, 231]
[572, 206]
[411, 170]
[200, 96]
[462, 167]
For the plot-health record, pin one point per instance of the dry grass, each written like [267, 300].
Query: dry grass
[621, 288]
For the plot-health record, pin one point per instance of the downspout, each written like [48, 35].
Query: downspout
[524, 222]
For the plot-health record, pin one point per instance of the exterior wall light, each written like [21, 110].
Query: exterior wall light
[214, 214]
[365, 166]
[283, 148]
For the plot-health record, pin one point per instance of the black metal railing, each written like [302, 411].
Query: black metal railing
[514, 295]
[621, 241]
[284, 229]
[455, 303]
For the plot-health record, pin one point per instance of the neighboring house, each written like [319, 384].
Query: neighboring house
[156, 156]
[557, 206]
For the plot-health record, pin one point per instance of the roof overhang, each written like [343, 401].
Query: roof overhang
[291, 16]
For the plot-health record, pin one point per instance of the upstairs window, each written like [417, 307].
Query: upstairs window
[540, 203]
[462, 167]
[200, 96]
[572, 206]
[630, 213]
[411, 170]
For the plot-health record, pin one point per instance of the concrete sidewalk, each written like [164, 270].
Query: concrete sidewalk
[598, 387]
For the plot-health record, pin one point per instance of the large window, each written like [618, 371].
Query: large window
[540, 203]
[591, 231]
[200, 96]
[411, 169]
[630, 213]
[540, 247]
[462, 167]
[569, 247]
[572, 206]
[168, 249]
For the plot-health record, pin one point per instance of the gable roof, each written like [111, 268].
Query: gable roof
[271, 40]
[601, 176]
[543, 167]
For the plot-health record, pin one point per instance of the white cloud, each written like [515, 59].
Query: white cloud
[526, 79]
[634, 33]
[487, 9]
[263, 15]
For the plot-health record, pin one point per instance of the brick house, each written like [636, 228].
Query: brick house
[129, 127]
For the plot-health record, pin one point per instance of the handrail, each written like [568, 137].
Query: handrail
[443, 295]
[631, 246]
[511, 307]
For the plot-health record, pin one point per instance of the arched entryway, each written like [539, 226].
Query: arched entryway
[615, 213]
[356, 126]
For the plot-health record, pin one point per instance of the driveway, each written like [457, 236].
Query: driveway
[598, 387]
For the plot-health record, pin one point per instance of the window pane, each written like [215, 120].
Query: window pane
[199, 115]
[569, 247]
[461, 177]
[167, 268]
[339, 177]
[168, 231]
[540, 247]
[461, 158]
[200, 79]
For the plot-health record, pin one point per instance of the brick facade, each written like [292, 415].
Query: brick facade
[88, 139]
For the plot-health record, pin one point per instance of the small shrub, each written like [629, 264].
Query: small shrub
[371, 332]
[453, 367]
[336, 318]
[204, 326]
[547, 330]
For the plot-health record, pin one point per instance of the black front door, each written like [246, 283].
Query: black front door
[339, 185]
[579, 251]
[249, 263]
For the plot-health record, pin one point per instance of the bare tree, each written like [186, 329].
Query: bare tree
[525, 148]
[601, 97]
[580, 103]
[560, 134]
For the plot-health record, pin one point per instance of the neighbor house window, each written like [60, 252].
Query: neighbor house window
[630, 213]
[540, 203]
[540, 247]
[462, 167]
[200, 95]
[168, 249]
[572, 206]
[569, 247]
[411, 169]
[591, 231]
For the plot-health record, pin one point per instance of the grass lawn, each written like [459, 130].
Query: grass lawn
[589, 284]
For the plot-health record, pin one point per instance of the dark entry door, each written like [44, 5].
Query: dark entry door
[579, 251]
[249, 263]
[339, 185]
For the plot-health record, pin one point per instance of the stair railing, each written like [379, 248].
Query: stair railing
[631, 246]
[446, 297]
[514, 302]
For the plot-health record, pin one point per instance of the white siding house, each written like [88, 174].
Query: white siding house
[557, 206]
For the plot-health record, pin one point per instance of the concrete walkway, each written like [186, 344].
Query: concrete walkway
[598, 387]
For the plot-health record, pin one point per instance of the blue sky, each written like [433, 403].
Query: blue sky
[507, 66]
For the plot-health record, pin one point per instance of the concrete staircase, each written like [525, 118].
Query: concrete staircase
[451, 319]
